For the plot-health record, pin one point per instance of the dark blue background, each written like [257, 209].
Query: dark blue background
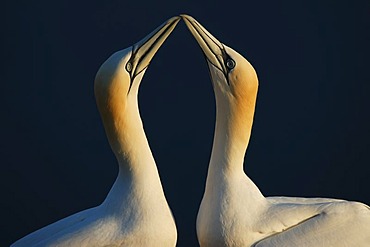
[311, 133]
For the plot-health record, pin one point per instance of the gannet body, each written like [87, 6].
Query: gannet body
[233, 211]
[135, 212]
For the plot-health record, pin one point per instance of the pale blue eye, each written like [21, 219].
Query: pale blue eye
[230, 64]
[129, 66]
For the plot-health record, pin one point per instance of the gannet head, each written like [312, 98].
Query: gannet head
[232, 75]
[234, 80]
[117, 81]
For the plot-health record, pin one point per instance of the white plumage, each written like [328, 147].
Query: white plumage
[135, 212]
[233, 211]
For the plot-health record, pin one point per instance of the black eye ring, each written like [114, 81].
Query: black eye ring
[230, 64]
[129, 66]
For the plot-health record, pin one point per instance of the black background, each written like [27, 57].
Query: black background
[311, 132]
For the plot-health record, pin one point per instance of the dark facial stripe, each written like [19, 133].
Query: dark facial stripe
[134, 72]
[224, 55]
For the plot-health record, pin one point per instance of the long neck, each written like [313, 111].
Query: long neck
[232, 133]
[138, 175]
[129, 142]
[234, 120]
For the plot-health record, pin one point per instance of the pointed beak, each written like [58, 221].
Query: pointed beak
[213, 49]
[144, 50]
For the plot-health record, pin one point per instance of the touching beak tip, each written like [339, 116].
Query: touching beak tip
[187, 19]
[211, 47]
[184, 16]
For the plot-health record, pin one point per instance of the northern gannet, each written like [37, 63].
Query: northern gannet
[233, 211]
[135, 211]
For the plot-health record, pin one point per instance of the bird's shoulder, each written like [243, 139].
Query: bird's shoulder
[286, 212]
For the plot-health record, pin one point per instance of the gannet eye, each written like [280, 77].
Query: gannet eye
[129, 66]
[230, 64]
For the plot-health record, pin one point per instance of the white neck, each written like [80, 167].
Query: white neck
[138, 178]
[232, 134]
[228, 147]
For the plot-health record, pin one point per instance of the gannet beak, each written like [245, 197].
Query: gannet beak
[213, 49]
[144, 50]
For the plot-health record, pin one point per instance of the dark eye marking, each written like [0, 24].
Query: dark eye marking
[229, 63]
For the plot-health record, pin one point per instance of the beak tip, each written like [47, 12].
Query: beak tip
[188, 20]
[186, 17]
[146, 48]
[174, 19]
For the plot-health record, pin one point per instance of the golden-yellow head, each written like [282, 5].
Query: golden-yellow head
[117, 81]
[234, 82]
[234, 79]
